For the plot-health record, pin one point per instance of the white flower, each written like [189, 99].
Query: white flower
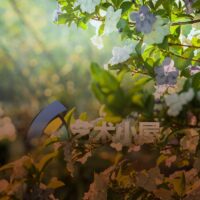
[172, 102]
[174, 109]
[102, 13]
[186, 97]
[159, 31]
[87, 5]
[96, 24]
[176, 102]
[122, 54]
[112, 18]
[171, 99]
[97, 41]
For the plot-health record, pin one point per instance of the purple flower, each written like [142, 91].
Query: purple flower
[167, 73]
[144, 19]
[188, 4]
[194, 69]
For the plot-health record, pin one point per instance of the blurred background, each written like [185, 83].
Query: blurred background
[41, 62]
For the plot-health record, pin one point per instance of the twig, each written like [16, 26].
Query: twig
[180, 56]
[184, 45]
[195, 60]
[185, 23]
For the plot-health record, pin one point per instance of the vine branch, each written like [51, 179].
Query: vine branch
[184, 45]
[179, 56]
[185, 23]
[172, 24]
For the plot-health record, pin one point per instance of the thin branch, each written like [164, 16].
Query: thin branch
[185, 23]
[195, 60]
[184, 45]
[180, 56]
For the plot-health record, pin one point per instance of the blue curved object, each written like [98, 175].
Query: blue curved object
[41, 121]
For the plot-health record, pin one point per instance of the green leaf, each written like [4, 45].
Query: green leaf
[83, 116]
[101, 29]
[69, 115]
[50, 141]
[167, 4]
[126, 6]
[82, 25]
[158, 4]
[185, 30]
[138, 48]
[107, 89]
[184, 60]
[179, 184]
[196, 42]
[122, 24]
[117, 3]
[196, 4]
[196, 81]
[105, 5]
[55, 183]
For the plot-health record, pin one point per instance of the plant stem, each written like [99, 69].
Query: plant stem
[185, 23]
[180, 56]
[184, 45]
[195, 60]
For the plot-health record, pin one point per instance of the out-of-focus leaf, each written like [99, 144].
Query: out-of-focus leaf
[179, 184]
[184, 60]
[69, 115]
[107, 89]
[125, 6]
[55, 183]
[196, 81]
[45, 160]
